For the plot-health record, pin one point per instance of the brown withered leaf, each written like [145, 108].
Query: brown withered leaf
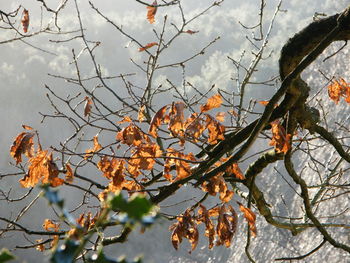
[157, 121]
[194, 127]
[185, 227]
[212, 103]
[25, 20]
[220, 116]
[236, 171]
[23, 144]
[132, 135]
[149, 45]
[42, 167]
[144, 158]
[125, 119]
[26, 127]
[191, 32]
[176, 120]
[280, 139]
[50, 225]
[250, 217]
[69, 174]
[141, 114]
[181, 162]
[227, 225]
[113, 169]
[40, 246]
[151, 12]
[96, 148]
[204, 217]
[215, 129]
[87, 106]
[217, 184]
[339, 88]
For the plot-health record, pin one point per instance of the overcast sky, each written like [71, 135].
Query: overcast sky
[24, 69]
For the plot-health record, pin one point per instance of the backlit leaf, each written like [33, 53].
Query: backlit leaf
[25, 20]
[212, 103]
[151, 12]
[87, 106]
[149, 45]
[96, 148]
[250, 217]
[157, 121]
[23, 144]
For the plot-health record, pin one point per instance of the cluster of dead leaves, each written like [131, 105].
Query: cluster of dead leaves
[49, 226]
[41, 164]
[194, 126]
[280, 139]
[84, 222]
[339, 88]
[186, 226]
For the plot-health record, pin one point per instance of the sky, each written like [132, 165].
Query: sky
[24, 71]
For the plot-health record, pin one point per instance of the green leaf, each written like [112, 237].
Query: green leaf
[118, 203]
[138, 206]
[5, 255]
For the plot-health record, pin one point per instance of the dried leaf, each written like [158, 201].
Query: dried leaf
[141, 114]
[144, 158]
[194, 127]
[185, 228]
[180, 160]
[212, 103]
[337, 89]
[157, 121]
[42, 167]
[113, 169]
[203, 216]
[151, 12]
[87, 106]
[191, 32]
[176, 120]
[69, 174]
[23, 144]
[220, 116]
[125, 119]
[250, 217]
[26, 127]
[25, 20]
[50, 225]
[227, 225]
[280, 139]
[96, 148]
[234, 169]
[149, 45]
[40, 247]
[132, 135]
[215, 129]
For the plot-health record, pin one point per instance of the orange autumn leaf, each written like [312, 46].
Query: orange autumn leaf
[204, 217]
[337, 89]
[181, 162]
[280, 139]
[250, 217]
[144, 158]
[227, 225]
[194, 127]
[149, 45]
[23, 144]
[215, 129]
[42, 167]
[157, 121]
[237, 171]
[212, 103]
[96, 148]
[87, 106]
[26, 127]
[25, 20]
[40, 246]
[126, 119]
[141, 114]
[151, 12]
[185, 227]
[217, 184]
[113, 169]
[69, 174]
[176, 121]
[49, 225]
[220, 116]
[132, 135]
[264, 102]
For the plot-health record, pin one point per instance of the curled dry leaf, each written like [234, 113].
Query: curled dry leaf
[227, 225]
[337, 89]
[113, 169]
[69, 174]
[191, 32]
[25, 20]
[132, 135]
[23, 144]
[215, 129]
[149, 45]
[157, 120]
[217, 184]
[42, 167]
[151, 12]
[204, 217]
[280, 139]
[180, 160]
[250, 217]
[141, 114]
[97, 147]
[50, 225]
[87, 106]
[185, 227]
[212, 103]
[144, 158]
